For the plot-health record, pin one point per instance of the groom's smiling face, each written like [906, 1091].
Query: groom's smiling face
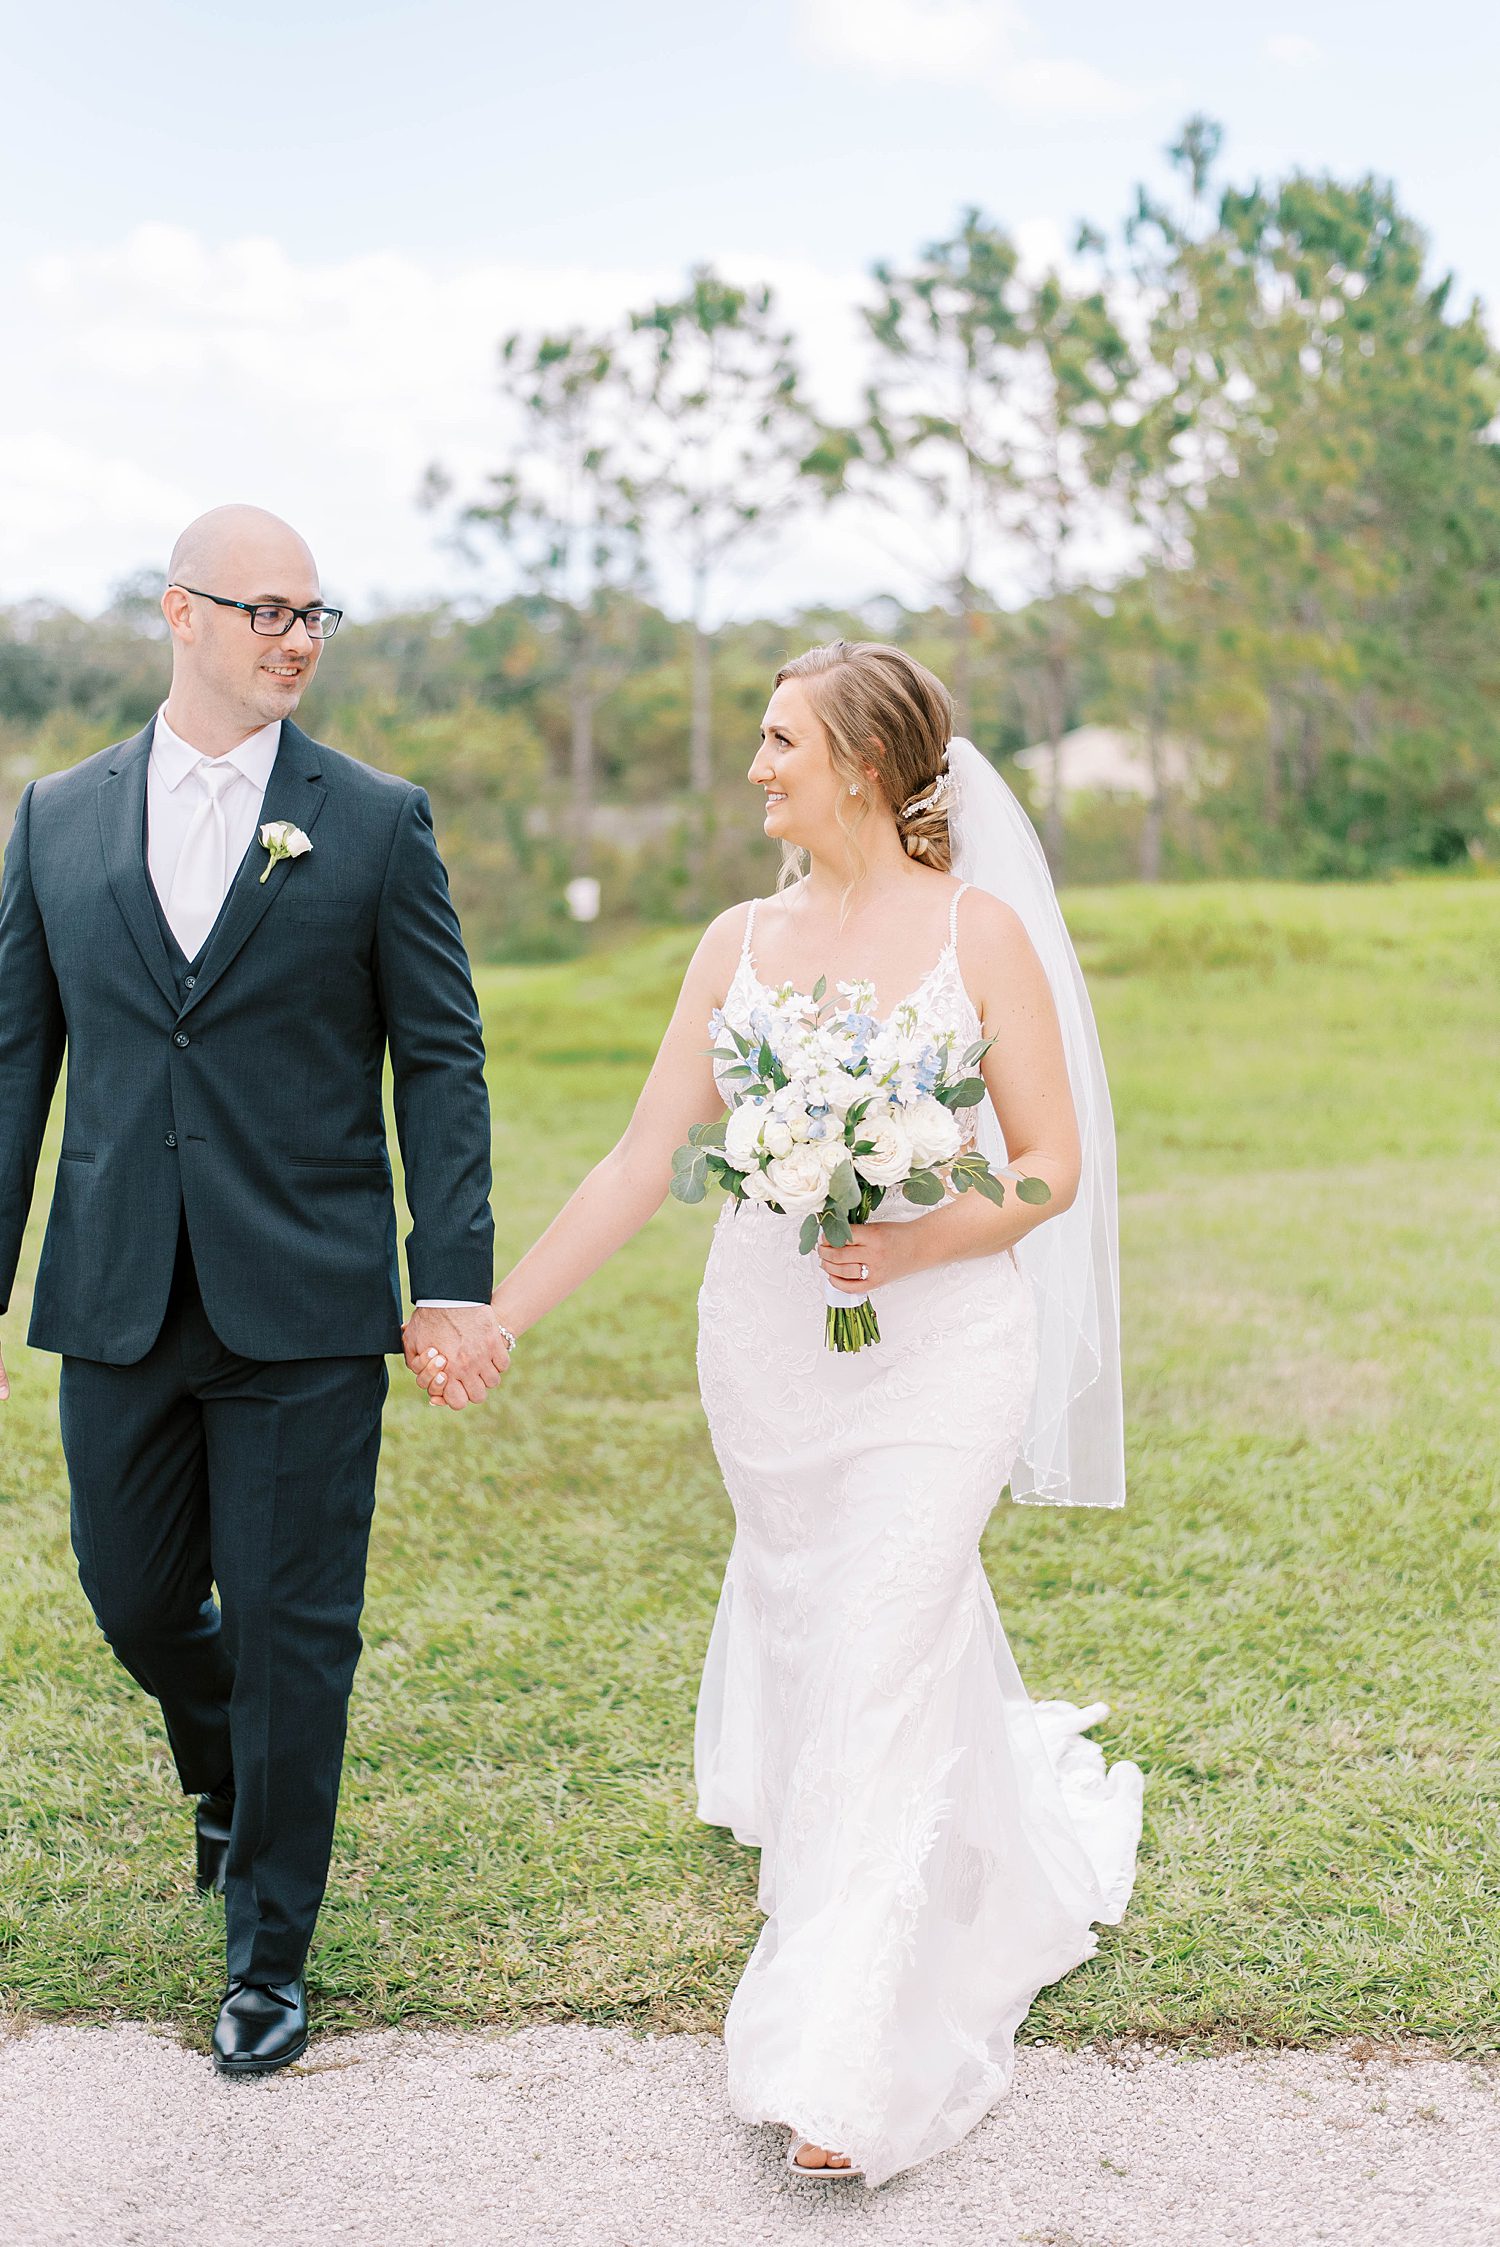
[242, 554]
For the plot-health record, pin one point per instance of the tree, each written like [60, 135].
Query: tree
[569, 511]
[723, 441]
[1174, 434]
[1072, 367]
[936, 440]
[1347, 565]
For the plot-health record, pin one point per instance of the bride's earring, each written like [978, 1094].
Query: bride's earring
[852, 789]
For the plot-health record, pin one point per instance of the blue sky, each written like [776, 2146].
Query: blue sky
[266, 252]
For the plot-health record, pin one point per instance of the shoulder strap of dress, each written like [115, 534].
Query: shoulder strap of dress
[749, 930]
[961, 891]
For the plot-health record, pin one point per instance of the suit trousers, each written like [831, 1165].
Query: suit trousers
[196, 1468]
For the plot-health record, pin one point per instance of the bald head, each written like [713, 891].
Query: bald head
[228, 541]
[228, 679]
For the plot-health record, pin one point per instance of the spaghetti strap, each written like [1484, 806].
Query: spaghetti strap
[749, 932]
[952, 913]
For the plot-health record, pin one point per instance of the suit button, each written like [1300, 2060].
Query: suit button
[190, 982]
[171, 1138]
[180, 1037]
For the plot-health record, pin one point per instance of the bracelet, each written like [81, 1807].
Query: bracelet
[506, 1336]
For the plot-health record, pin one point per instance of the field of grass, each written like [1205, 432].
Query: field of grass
[1294, 1618]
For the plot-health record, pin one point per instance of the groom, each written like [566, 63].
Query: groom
[228, 926]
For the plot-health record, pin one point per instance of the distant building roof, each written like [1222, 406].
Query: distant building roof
[1109, 760]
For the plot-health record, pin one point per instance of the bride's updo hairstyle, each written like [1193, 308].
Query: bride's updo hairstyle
[880, 707]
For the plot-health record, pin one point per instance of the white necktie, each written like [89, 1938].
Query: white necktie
[201, 881]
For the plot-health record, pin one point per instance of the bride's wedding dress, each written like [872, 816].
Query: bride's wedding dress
[935, 1846]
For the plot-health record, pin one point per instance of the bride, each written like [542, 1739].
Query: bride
[935, 1846]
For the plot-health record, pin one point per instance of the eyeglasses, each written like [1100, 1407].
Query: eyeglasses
[274, 619]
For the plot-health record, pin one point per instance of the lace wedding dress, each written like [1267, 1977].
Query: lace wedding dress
[935, 1846]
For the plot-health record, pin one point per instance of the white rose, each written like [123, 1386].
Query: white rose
[889, 1159]
[757, 1186]
[932, 1131]
[798, 1122]
[279, 839]
[831, 1152]
[840, 1090]
[777, 1136]
[799, 1181]
[742, 1136]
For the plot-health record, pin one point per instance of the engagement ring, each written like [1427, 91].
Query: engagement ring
[864, 1271]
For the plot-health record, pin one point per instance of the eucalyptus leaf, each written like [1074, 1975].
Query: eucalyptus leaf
[967, 1093]
[689, 1186]
[976, 1053]
[925, 1188]
[836, 1230]
[807, 1239]
[682, 1158]
[818, 990]
[843, 1187]
[709, 1134]
[1033, 1190]
[991, 1188]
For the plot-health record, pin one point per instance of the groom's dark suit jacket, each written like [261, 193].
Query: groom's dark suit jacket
[245, 1095]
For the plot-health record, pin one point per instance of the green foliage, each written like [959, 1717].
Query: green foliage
[1292, 1618]
[1292, 434]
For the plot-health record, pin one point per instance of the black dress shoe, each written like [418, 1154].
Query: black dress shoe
[213, 1816]
[261, 2027]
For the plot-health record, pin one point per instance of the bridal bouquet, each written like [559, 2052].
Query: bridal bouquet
[832, 1110]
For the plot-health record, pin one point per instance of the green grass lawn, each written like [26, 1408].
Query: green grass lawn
[1294, 1618]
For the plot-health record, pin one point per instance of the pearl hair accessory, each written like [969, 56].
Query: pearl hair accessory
[934, 795]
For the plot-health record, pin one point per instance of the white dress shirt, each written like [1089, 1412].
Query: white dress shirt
[170, 806]
[169, 813]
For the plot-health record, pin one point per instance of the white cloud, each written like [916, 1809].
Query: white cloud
[1293, 50]
[990, 43]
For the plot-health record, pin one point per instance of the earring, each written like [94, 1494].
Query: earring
[852, 789]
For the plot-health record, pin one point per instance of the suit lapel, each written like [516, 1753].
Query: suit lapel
[122, 827]
[295, 793]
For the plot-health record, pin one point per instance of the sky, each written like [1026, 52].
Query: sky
[267, 255]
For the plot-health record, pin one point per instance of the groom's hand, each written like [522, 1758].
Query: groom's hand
[457, 1353]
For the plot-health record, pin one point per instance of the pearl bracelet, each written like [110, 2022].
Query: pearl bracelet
[506, 1336]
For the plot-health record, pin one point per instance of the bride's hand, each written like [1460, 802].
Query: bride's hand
[876, 1254]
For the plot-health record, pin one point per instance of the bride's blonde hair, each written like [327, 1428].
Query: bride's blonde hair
[879, 706]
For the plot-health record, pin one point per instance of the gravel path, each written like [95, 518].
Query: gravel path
[121, 2137]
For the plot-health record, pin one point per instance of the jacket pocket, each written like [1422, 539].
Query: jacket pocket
[336, 1162]
[71, 1155]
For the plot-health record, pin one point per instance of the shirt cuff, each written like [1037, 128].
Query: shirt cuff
[448, 1303]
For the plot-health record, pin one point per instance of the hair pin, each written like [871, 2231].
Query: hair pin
[934, 795]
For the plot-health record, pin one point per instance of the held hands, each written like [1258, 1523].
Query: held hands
[457, 1354]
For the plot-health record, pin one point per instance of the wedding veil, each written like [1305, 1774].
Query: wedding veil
[1073, 1450]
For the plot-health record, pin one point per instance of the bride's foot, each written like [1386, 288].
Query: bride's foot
[816, 2161]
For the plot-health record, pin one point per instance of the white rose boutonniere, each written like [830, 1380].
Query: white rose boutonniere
[282, 840]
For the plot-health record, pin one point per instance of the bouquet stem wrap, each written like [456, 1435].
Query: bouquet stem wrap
[850, 1321]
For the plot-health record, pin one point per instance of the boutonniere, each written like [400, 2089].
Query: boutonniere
[282, 840]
